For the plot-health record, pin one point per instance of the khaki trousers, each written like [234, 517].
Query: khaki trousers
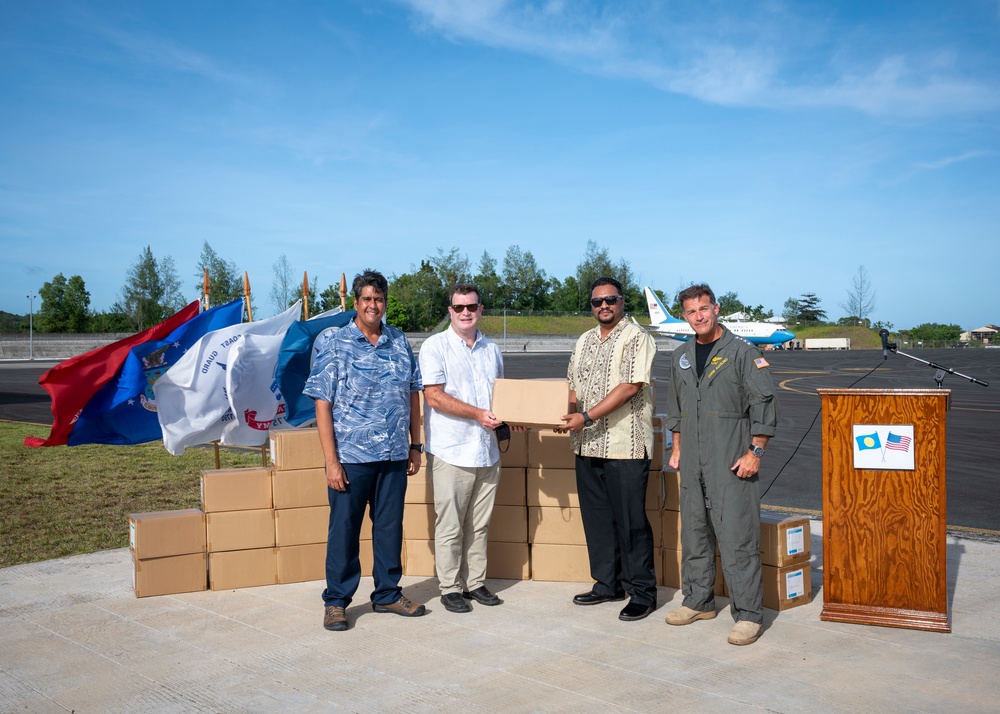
[463, 501]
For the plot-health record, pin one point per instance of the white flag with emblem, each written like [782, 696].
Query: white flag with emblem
[253, 390]
[191, 400]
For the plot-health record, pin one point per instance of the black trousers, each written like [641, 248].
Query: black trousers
[619, 537]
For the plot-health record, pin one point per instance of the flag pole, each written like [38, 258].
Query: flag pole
[205, 299]
[343, 292]
[246, 296]
[305, 295]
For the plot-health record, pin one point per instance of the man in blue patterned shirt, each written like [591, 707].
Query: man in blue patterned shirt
[366, 385]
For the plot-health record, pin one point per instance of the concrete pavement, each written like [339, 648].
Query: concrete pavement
[74, 638]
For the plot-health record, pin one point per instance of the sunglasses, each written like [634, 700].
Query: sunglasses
[472, 307]
[611, 300]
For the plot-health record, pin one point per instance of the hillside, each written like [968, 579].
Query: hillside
[861, 338]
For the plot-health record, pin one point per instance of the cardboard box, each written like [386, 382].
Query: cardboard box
[557, 488]
[784, 540]
[296, 449]
[512, 490]
[516, 454]
[552, 487]
[418, 557]
[508, 561]
[419, 487]
[301, 563]
[301, 526]
[235, 489]
[531, 402]
[509, 524]
[671, 521]
[560, 563]
[243, 568]
[367, 556]
[418, 521]
[671, 573]
[672, 492]
[168, 575]
[655, 490]
[299, 488]
[547, 449]
[240, 530]
[163, 533]
[366, 526]
[555, 526]
[564, 526]
[787, 587]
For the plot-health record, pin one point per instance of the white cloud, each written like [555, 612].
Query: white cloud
[766, 57]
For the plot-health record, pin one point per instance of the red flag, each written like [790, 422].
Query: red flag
[72, 383]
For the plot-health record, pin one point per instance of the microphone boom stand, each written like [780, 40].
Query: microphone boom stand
[941, 369]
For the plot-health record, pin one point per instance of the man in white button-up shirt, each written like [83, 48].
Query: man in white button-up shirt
[459, 367]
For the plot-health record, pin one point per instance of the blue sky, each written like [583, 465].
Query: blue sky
[768, 148]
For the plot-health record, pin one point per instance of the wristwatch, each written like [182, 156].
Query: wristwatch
[757, 451]
[419, 448]
[587, 421]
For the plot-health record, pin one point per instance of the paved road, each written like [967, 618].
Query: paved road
[973, 422]
[795, 469]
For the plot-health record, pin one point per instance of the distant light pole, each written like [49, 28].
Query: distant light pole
[31, 326]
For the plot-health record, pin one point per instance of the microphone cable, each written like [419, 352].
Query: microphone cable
[811, 425]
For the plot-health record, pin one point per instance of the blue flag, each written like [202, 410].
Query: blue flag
[869, 441]
[124, 410]
[298, 350]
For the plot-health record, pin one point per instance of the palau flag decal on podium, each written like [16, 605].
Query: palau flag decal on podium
[884, 447]
[868, 441]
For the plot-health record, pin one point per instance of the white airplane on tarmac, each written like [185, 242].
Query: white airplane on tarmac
[759, 333]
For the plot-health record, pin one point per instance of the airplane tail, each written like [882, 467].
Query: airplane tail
[658, 314]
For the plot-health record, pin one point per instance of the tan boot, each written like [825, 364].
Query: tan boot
[685, 615]
[745, 633]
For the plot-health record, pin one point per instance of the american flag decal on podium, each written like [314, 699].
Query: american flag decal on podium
[897, 443]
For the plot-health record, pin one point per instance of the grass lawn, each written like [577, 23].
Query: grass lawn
[59, 501]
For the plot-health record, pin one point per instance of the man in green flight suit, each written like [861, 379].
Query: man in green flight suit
[721, 400]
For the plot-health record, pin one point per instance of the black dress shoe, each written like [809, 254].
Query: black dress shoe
[483, 596]
[453, 602]
[592, 599]
[635, 611]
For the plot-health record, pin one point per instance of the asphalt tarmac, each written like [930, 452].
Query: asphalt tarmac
[791, 472]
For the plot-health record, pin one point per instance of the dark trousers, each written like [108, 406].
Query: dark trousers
[619, 537]
[383, 485]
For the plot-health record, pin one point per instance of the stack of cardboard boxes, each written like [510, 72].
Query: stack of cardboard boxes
[302, 508]
[262, 526]
[239, 527]
[555, 527]
[785, 553]
[168, 552]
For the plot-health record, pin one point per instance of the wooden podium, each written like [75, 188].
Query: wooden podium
[884, 546]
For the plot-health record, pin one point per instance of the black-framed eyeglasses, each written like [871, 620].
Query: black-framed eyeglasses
[471, 307]
[611, 300]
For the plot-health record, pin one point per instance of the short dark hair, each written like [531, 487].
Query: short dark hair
[370, 278]
[605, 280]
[695, 292]
[463, 289]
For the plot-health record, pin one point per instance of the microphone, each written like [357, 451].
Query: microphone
[884, 334]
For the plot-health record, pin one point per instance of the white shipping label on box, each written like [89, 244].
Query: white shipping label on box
[131, 537]
[795, 583]
[795, 540]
